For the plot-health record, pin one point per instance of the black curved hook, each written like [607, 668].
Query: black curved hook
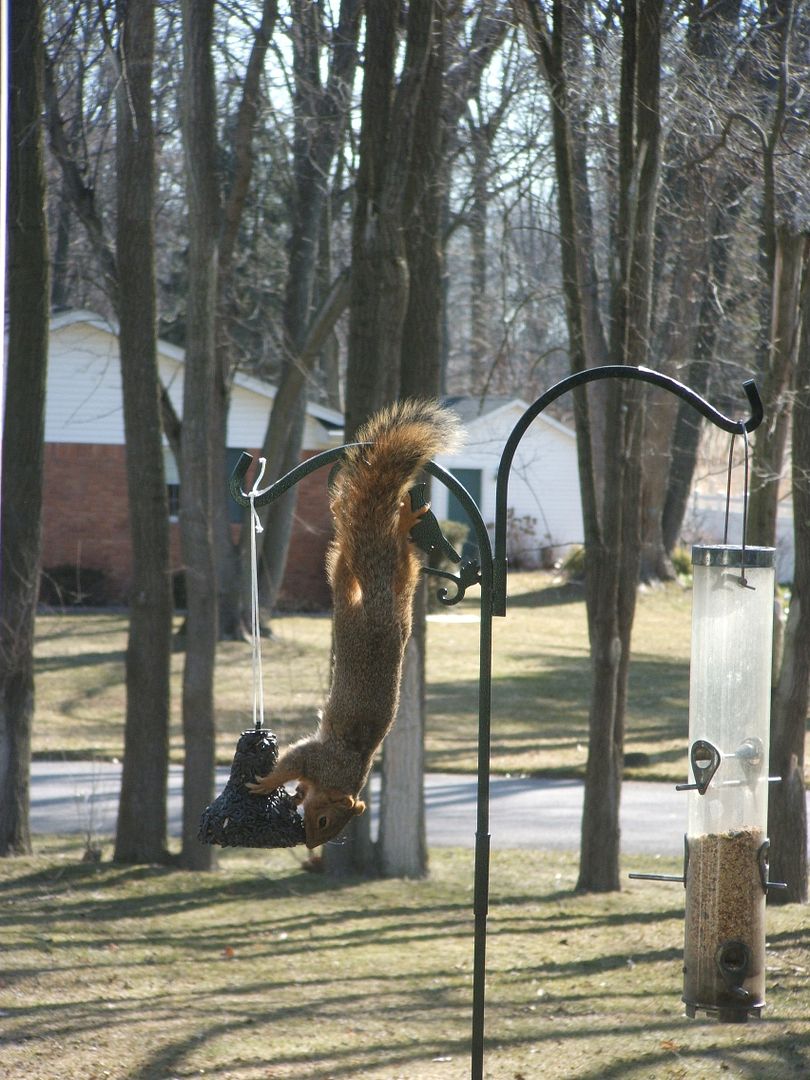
[284, 483]
[580, 378]
[482, 574]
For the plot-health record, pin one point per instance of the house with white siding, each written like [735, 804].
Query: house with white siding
[85, 513]
[543, 493]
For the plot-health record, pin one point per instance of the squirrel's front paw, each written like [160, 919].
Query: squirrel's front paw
[259, 786]
[408, 518]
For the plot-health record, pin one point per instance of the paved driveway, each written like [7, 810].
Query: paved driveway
[76, 797]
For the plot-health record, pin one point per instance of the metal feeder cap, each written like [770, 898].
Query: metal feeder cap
[732, 556]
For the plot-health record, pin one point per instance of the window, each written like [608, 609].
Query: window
[173, 485]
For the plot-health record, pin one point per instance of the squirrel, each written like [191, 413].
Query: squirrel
[373, 571]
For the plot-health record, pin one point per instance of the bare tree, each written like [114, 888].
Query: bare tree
[611, 516]
[780, 257]
[131, 287]
[402, 849]
[199, 428]
[235, 189]
[24, 421]
[141, 834]
[787, 809]
[380, 274]
[320, 117]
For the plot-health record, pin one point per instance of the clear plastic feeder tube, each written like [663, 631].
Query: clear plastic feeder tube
[729, 723]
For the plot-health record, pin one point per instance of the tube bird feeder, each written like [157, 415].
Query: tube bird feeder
[726, 851]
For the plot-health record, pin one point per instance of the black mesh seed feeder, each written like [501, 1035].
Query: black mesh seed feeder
[236, 818]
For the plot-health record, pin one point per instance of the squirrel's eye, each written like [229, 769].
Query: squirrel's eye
[323, 821]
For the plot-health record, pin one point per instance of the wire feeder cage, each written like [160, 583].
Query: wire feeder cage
[238, 819]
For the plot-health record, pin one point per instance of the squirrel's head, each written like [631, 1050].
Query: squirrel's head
[326, 812]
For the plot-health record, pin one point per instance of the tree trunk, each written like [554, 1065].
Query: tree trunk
[787, 810]
[767, 462]
[403, 839]
[321, 114]
[24, 420]
[479, 309]
[611, 508]
[662, 411]
[612, 567]
[233, 621]
[59, 264]
[142, 828]
[380, 276]
[196, 489]
[311, 167]
[275, 541]
[403, 844]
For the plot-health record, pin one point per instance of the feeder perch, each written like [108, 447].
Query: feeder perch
[725, 869]
[238, 819]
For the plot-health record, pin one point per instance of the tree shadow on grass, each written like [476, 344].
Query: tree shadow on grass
[303, 970]
[69, 661]
[547, 710]
[567, 592]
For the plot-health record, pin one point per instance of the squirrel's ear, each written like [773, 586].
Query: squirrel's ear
[359, 806]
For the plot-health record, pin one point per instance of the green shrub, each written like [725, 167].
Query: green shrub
[456, 532]
[682, 561]
[574, 563]
[68, 585]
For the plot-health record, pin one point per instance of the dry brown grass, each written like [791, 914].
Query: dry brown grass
[264, 971]
[540, 686]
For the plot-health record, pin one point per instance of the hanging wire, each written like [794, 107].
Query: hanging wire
[743, 579]
[728, 485]
[255, 629]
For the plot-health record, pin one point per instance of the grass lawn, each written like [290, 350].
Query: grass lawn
[540, 685]
[264, 971]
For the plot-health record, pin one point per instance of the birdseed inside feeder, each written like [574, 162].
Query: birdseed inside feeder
[726, 859]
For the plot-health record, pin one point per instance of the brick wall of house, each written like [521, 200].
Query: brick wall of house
[86, 524]
[305, 586]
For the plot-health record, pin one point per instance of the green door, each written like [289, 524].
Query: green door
[471, 479]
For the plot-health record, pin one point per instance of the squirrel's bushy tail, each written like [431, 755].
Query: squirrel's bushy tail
[374, 478]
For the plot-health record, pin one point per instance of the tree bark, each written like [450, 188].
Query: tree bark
[403, 843]
[24, 420]
[321, 116]
[787, 809]
[196, 489]
[688, 424]
[612, 577]
[767, 463]
[240, 157]
[141, 834]
[403, 838]
[611, 508]
[380, 276]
